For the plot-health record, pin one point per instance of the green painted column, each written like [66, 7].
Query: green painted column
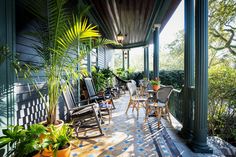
[89, 62]
[199, 141]
[187, 129]
[78, 80]
[156, 51]
[7, 77]
[97, 57]
[147, 51]
[145, 61]
[123, 59]
[128, 59]
[105, 58]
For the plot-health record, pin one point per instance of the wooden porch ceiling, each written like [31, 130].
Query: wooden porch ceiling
[133, 18]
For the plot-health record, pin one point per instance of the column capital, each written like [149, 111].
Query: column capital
[156, 25]
[146, 46]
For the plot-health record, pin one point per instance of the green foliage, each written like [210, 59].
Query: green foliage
[99, 79]
[154, 82]
[108, 74]
[4, 53]
[171, 77]
[222, 17]
[125, 74]
[173, 55]
[26, 142]
[222, 102]
[58, 139]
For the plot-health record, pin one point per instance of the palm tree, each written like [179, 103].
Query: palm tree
[64, 39]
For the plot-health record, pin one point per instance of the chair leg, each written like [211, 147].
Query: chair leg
[134, 105]
[113, 105]
[147, 113]
[137, 108]
[98, 123]
[110, 115]
[159, 117]
[168, 114]
[128, 106]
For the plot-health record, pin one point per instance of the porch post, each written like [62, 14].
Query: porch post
[147, 51]
[199, 141]
[105, 58]
[186, 131]
[145, 61]
[7, 77]
[127, 59]
[89, 62]
[156, 51]
[96, 57]
[123, 59]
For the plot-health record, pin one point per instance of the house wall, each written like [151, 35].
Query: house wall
[7, 39]
[105, 57]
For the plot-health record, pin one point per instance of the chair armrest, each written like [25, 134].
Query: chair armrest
[82, 107]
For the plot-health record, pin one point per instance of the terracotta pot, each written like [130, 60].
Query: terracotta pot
[37, 155]
[47, 152]
[64, 152]
[61, 123]
[155, 87]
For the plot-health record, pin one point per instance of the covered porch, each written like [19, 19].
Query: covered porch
[139, 24]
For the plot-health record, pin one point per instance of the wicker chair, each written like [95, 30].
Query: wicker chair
[135, 100]
[161, 102]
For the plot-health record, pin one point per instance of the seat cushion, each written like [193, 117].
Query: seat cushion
[139, 99]
[154, 104]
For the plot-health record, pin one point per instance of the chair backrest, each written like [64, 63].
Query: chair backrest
[149, 86]
[132, 81]
[132, 89]
[90, 86]
[70, 103]
[164, 93]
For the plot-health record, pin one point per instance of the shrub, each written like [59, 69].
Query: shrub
[222, 102]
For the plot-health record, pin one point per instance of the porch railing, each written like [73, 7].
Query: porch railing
[176, 104]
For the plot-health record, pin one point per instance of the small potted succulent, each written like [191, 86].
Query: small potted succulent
[155, 84]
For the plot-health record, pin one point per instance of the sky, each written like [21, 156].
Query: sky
[174, 25]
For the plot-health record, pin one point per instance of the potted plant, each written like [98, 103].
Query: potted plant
[100, 81]
[58, 141]
[60, 38]
[108, 74]
[24, 143]
[155, 84]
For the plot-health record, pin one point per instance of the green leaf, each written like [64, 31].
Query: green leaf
[4, 141]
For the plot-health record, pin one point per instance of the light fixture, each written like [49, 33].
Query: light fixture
[120, 37]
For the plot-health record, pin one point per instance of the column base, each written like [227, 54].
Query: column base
[200, 149]
[185, 134]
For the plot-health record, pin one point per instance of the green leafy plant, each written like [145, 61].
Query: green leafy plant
[4, 53]
[58, 139]
[108, 74]
[222, 102]
[23, 142]
[99, 79]
[155, 82]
